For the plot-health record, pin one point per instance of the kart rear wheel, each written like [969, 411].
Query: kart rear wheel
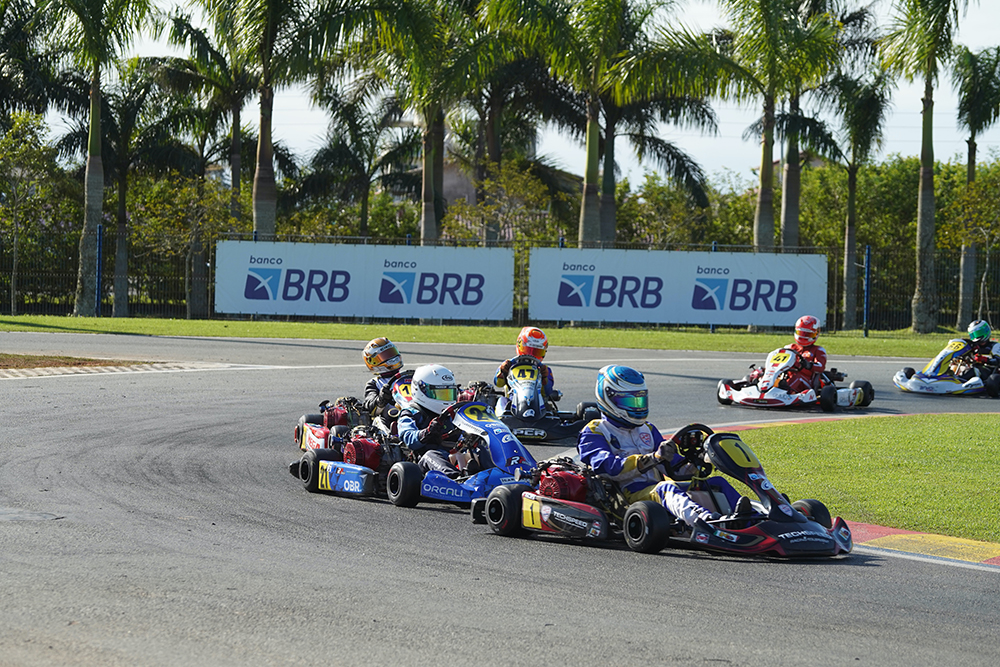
[828, 398]
[402, 484]
[309, 466]
[993, 385]
[718, 394]
[814, 510]
[646, 526]
[587, 411]
[867, 391]
[503, 509]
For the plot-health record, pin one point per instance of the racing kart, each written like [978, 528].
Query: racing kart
[766, 387]
[524, 407]
[953, 371]
[568, 499]
[371, 462]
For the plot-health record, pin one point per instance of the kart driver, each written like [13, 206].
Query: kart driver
[530, 342]
[424, 430]
[383, 359]
[623, 446]
[811, 357]
[978, 349]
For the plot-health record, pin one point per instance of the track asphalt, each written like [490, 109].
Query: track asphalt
[896, 539]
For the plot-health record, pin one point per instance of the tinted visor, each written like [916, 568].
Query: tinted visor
[631, 402]
[447, 394]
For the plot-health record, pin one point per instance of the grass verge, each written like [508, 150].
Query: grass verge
[929, 473]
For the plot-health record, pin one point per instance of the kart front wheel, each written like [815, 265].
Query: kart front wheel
[993, 385]
[309, 466]
[646, 526]
[718, 394]
[828, 398]
[503, 509]
[815, 510]
[402, 484]
[867, 391]
[909, 372]
[587, 411]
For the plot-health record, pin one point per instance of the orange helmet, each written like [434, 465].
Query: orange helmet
[532, 341]
[806, 330]
[382, 357]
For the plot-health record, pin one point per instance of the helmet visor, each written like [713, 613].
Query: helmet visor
[632, 402]
[447, 394]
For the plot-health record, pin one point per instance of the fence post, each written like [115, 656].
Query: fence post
[100, 262]
[868, 285]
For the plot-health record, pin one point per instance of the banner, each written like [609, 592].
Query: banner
[675, 287]
[333, 280]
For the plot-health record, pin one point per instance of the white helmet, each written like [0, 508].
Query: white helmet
[433, 388]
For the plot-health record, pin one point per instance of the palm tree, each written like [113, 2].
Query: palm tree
[863, 106]
[919, 42]
[365, 144]
[977, 78]
[222, 70]
[782, 53]
[94, 31]
[26, 75]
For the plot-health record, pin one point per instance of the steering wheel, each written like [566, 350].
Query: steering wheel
[525, 359]
[691, 447]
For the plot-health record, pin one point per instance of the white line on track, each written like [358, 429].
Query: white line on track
[934, 560]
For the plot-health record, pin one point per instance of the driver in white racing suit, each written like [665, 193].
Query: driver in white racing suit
[628, 449]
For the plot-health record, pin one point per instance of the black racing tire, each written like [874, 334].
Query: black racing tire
[718, 394]
[646, 527]
[828, 398]
[402, 484]
[867, 391]
[503, 509]
[815, 510]
[587, 411]
[909, 372]
[993, 385]
[309, 466]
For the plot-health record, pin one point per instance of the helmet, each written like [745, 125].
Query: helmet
[979, 331]
[806, 330]
[433, 388]
[621, 394]
[382, 357]
[532, 341]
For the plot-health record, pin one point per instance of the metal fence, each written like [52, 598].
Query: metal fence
[161, 281]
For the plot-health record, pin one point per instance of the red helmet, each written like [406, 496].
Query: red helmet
[532, 341]
[806, 330]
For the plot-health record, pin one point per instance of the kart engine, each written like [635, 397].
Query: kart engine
[363, 452]
[563, 484]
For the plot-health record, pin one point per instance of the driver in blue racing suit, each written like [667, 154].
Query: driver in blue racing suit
[426, 431]
[626, 448]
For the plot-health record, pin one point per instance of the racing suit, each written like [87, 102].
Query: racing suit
[434, 447]
[548, 382]
[373, 389]
[810, 367]
[613, 450]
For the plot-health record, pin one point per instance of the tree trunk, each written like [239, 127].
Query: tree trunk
[428, 220]
[13, 267]
[791, 185]
[850, 253]
[590, 214]
[439, 201]
[967, 265]
[923, 318]
[494, 151]
[235, 162]
[763, 223]
[85, 303]
[609, 212]
[265, 193]
[120, 286]
[196, 269]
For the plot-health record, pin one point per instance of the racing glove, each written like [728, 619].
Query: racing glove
[666, 451]
[646, 462]
[433, 430]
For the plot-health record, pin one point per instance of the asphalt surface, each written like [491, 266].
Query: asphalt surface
[148, 518]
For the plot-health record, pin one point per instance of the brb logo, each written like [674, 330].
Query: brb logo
[581, 290]
[266, 284]
[426, 288]
[710, 293]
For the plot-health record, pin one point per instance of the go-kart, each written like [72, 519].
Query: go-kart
[766, 387]
[371, 462]
[566, 498]
[953, 371]
[524, 407]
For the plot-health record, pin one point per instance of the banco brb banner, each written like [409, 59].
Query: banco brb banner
[335, 280]
[675, 287]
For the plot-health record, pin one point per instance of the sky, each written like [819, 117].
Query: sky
[302, 127]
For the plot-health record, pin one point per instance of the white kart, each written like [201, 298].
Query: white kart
[766, 387]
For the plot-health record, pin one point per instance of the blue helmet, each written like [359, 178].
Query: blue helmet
[622, 394]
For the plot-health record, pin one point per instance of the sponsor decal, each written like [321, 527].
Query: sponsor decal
[709, 294]
[426, 288]
[441, 490]
[507, 438]
[701, 538]
[728, 537]
[262, 284]
[754, 476]
[579, 291]
[546, 513]
[845, 533]
[647, 439]
[796, 534]
[766, 485]
[787, 509]
[571, 520]
[575, 290]
[396, 287]
[595, 529]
